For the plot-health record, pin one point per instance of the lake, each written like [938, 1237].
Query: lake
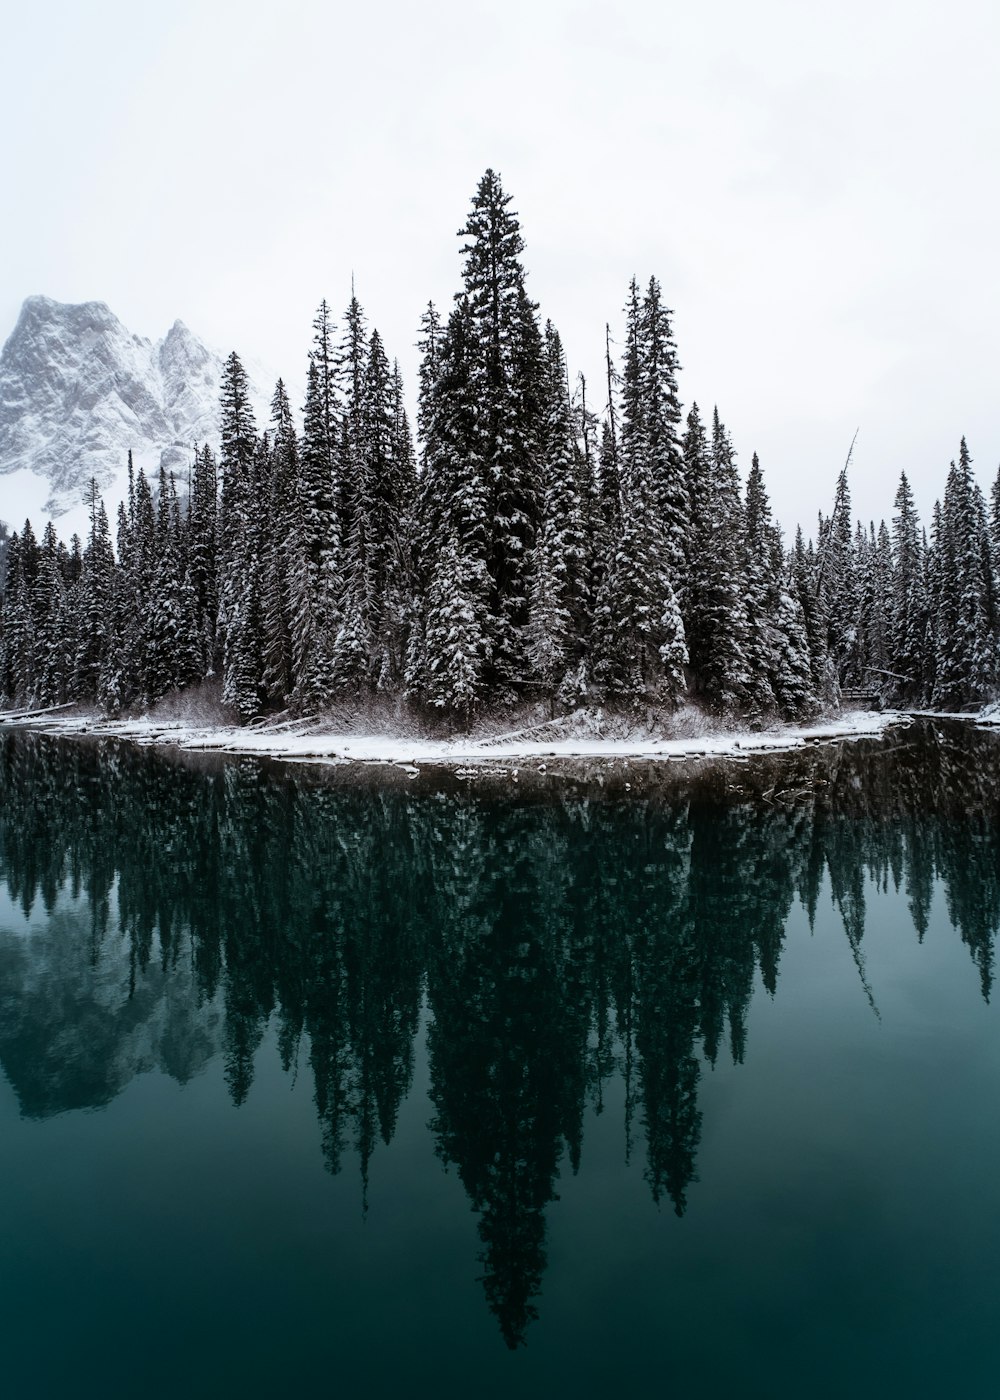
[338, 1081]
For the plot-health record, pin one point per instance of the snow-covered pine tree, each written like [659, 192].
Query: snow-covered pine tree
[807, 590]
[506, 365]
[384, 497]
[661, 418]
[881, 642]
[587, 436]
[315, 552]
[907, 623]
[548, 633]
[995, 523]
[118, 682]
[351, 364]
[429, 337]
[609, 496]
[792, 680]
[174, 651]
[873, 555]
[640, 646]
[634, 437]
[240, 613]
[779, 660]
[991, 581]
[758, 556]
[369, 646]
[399, 585]
[559, 607]
[142, 574]
[715, 623]
[324, 358]
[838, 589]
[448, 655]
[608, 512]
[71, 561]
[202, 529]
[54, 630]
[933, 573]
[456, 649]
[350, 656]
[17, 665]
[967, 656]
[280, 549]
[97, 585]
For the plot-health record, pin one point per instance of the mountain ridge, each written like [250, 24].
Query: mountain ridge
[79, 390]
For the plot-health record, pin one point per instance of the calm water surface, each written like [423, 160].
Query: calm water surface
[319, 1085]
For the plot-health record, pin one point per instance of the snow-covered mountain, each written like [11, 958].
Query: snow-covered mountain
[78, 390]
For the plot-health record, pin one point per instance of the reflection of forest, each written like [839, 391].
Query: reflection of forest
[556, 941]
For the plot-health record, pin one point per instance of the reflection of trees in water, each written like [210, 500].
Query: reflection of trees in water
[557, 942]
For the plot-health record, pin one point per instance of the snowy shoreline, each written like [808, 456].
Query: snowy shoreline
[301, 744]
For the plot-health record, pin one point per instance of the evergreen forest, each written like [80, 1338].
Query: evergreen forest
[538, 539]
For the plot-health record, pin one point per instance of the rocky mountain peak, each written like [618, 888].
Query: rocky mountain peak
[78, 391]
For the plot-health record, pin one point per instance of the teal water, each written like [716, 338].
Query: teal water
[313, 1083]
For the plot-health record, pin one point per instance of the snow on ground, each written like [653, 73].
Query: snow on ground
[304, 741]
[988, 716]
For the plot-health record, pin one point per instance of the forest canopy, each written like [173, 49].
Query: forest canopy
[539, 541]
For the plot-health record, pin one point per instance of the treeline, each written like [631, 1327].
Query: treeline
[537, 549]
[557, 945]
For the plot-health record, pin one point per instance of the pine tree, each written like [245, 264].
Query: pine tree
[240, 611]
[351, 366]
[838, 589]
[967, 660]
[19, 634]
[456, 647]
[715, 622]
[448, 655]
[506, 365]
[202, 530]
[398, 583]
[558, 613]
[873, 560]
[54, 637]
[316, 553]
[174, 651]
[661, 417]
[907, 624]
[429, 341]
[97, 584]
[758, 555]
[640, 641]
[793, 682]
[281, 546]
[807, 590]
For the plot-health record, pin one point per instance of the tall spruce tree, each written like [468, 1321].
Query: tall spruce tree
[97, 584]
[559, 606]
[240, 612]
[907, 623]
[281, 547]
[506, 358]
[661, 417]
[640, 643]
[967, 655]
[715, 621]
[449, 654]
[837, 586]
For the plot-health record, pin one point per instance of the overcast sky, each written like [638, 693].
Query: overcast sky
[815, 187]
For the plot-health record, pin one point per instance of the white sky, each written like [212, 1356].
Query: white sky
[814, 185]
